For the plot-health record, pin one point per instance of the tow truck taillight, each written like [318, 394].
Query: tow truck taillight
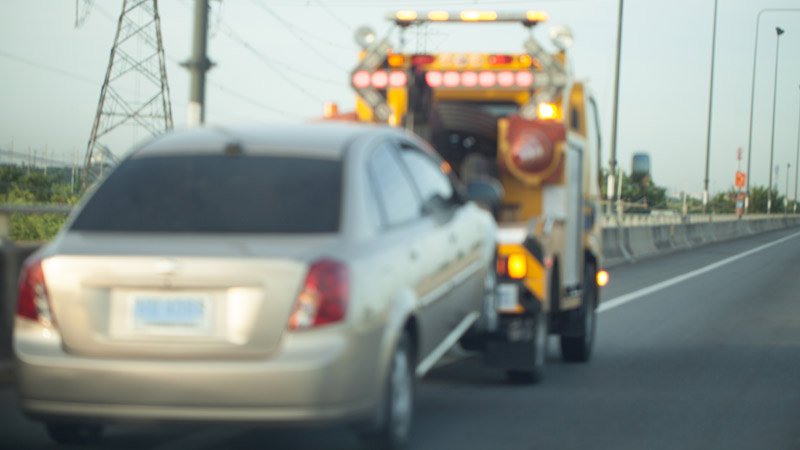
[324, 297]
[513, 265]
[33, 303]
[380, 79]
[485, 78]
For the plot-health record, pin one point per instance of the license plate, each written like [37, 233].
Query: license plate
[171, 312]
[507, 297]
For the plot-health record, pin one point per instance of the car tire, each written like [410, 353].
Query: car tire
[74, 434]
[578, 348]
[397, 406]
[534, 375]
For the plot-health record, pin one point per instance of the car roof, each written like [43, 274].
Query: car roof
[319, 139]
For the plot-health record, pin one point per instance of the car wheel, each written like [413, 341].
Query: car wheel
[579, 348]
[535, 374]
[397, 409]
[74, 433]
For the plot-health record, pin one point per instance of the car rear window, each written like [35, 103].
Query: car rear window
[217, 194]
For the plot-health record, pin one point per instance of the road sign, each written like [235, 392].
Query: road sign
[740, 179]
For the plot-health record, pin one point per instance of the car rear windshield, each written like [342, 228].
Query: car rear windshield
[217, 194]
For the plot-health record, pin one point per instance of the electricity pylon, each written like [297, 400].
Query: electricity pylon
[135, 90]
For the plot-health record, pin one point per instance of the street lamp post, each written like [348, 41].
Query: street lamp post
[753, 97]
[786, 198]
[778, 32]
[710, 104]
[796, 163]
[612, 161]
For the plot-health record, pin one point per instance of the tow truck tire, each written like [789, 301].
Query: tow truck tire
[534, 375]
[74, 433]
[393, 430]
[476, 338]
[578, 348]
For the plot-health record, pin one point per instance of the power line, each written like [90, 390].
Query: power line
[273, 64]
[332, 14]
[297, 30]
[249, 100]
[294, 30]
[47, 67]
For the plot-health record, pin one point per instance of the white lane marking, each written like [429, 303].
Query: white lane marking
[631, 296]
[449, 341]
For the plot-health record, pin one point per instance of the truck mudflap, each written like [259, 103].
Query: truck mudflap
[512, 346]
[519, 345]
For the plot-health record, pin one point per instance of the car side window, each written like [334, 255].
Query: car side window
[433, 185]
[398, 201]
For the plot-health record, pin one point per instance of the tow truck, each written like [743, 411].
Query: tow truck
[523, 120]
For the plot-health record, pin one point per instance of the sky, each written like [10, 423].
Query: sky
[278, 61]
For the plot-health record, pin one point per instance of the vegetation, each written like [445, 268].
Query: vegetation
[644, 197]
[37, 186]
[61, 186]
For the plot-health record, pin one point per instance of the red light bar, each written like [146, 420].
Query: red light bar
[496, 60]
[421, 60]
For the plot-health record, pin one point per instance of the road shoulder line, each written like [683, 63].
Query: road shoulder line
[635, 295]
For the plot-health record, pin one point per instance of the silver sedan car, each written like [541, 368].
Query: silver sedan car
[272, 274]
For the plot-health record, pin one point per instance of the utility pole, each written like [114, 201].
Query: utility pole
[612, 162]
[779, 32]
[198, 65]
[710, 107]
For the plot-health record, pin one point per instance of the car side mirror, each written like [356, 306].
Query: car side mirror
[485, 190]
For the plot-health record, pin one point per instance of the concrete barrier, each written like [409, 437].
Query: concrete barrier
[627, 243]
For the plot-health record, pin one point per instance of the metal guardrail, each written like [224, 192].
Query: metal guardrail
[628, 220]
[35, 209]
[609, 220]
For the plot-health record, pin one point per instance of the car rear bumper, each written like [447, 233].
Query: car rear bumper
[319, 376]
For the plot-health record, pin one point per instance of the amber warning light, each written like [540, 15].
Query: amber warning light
[602, 278]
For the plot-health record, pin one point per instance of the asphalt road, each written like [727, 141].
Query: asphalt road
[695, 350]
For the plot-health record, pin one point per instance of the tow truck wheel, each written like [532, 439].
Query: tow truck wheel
[534, 374]
[475, 339]
[578, 348]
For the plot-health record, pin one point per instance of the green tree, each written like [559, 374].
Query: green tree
[758, 200]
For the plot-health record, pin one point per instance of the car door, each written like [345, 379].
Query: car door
[452, 235]
[412, 243]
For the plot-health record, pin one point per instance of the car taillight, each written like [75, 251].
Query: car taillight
[33, 302]
[324, 297]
